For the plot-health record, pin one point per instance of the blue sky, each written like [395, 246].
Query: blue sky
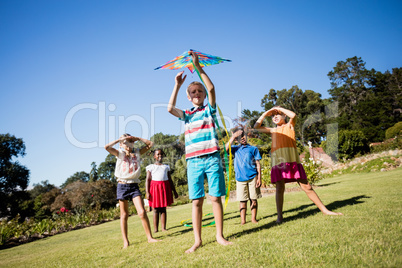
[75, 74]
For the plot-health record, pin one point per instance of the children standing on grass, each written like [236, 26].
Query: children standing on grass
[286, 165]
[248, 173]
[202, 151]
[127, 172]
[159, 187]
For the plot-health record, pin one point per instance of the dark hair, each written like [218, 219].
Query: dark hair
[159, 149]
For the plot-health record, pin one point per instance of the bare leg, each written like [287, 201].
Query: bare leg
[243, 211]
[197, 220]
[280, 191]
[139, 206]
[218, 215]
[123, 221]
[156, 220]
[254, 208]
[314, 197]
[163, 218]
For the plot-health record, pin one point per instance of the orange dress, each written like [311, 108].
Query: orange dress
[285, 159]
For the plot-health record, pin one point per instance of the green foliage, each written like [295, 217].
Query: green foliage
[367, 100]
[394, 131]
[77, 176]
[106, 168]
[387, 145]
[265, 163]
[14, 177]
[313, 170]
[346, 144]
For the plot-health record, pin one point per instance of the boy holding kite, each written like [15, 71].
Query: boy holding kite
[202, 151]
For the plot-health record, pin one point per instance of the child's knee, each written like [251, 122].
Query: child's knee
[141, 213]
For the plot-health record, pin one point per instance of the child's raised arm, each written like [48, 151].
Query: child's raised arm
[110, 149]
[179, 79]
[288, 113]
[205, 78]
[257, 125]
[148, 145]
[232, 139]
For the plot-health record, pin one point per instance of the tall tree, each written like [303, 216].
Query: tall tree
[93, 174]
[368, 100]
[14, 177]
[107, 167]
[351, 88]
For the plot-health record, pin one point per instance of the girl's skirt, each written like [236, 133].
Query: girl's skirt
[160, 194]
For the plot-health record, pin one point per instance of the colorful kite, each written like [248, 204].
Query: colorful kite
[184, 61]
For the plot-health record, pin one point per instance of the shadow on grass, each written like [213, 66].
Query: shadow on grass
[206, 219]
[302, 214]
[326, 184]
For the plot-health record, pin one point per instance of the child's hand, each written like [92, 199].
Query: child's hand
[237, 133]
[258, 183]
[194, 56]
[180, 78]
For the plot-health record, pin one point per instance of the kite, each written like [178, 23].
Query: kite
[185, 61]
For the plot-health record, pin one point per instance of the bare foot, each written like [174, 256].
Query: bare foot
[125, 245]
[164, 230]
[223, 241]
[243, 222]
[155, 231]
[254, 221]
[333, 213]
[279, 221]
[194, 247]
[153, 240]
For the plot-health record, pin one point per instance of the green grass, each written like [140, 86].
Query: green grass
[369, 234]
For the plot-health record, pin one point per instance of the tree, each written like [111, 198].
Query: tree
[77, 176]
[14, 177]
[41, 188]
[368, 100]
[93, 174]
[107, 167]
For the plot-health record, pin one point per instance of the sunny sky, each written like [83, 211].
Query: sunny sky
[76, 74]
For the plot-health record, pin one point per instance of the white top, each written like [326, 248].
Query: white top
[128, 168]
[158, 172]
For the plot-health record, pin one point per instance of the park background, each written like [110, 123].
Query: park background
[76, 75]
[57, 55]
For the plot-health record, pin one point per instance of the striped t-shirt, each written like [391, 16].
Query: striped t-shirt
[200, 133]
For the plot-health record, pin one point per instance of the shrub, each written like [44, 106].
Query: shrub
[313, 170]
[346, 144]
[265, 163]
[394, 131]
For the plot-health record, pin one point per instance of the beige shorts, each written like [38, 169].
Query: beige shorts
[246, 190]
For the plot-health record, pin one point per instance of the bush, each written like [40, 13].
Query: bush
[313, 170]
[394, 131]
[265, 163]
[346, 144]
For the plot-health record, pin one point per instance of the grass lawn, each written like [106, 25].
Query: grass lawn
[369, 234]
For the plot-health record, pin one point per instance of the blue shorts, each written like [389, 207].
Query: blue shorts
[210, 166]
[127, 191]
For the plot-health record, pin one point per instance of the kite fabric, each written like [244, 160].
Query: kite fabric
[184, 61]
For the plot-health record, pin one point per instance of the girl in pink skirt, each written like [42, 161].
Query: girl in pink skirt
[159, 188]
[286, 165]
